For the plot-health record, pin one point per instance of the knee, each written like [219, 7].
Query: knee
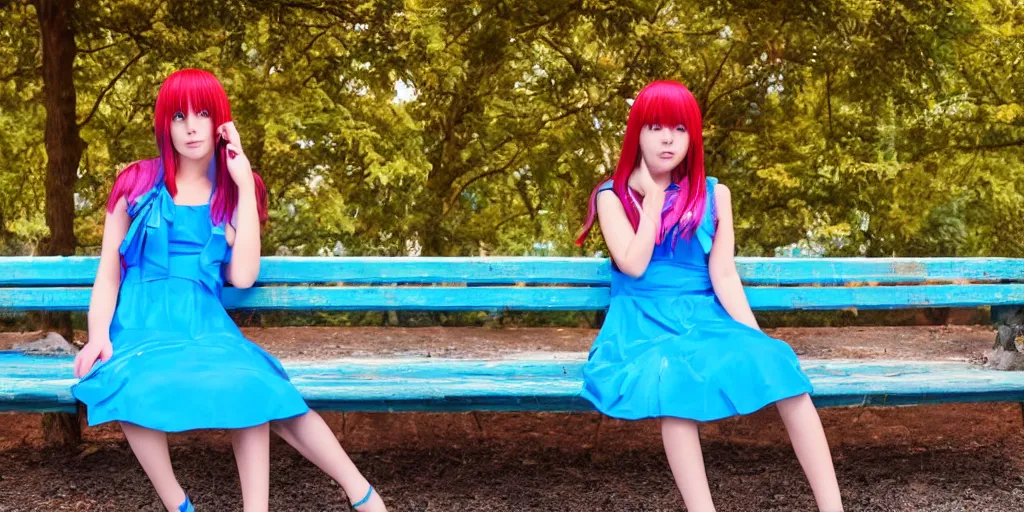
[801, 400]
[670, 426]
[288, 424]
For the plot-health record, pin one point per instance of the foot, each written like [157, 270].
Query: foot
[370, 502]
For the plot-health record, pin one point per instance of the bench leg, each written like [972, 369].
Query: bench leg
[1003, 314]
[595, 448]
[62, 428]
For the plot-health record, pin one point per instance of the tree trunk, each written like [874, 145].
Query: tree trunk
[64, 149]
[64, 146]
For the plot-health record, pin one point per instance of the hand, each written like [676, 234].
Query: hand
[229, 133]
[642, 181]
[238, 164]
[100, 349]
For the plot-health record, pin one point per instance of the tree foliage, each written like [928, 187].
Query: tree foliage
[454, 127]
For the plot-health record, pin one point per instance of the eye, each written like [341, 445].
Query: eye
[178, 116]
[204, 113]
[655, 127]
[681, 128]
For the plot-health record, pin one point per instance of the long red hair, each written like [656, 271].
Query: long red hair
[670, 104]
[184, 91]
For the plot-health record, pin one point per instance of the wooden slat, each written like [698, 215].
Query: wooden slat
[48, 270]
[430, 270]
[77, 271]
[885, 297]
[31, 383]
[80, 271]
[419, 298]
[363, 298]
[842, 271]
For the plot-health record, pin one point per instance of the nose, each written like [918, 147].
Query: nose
[667, 137]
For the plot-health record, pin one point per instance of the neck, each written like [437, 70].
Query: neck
[191, 171]
[663, 179]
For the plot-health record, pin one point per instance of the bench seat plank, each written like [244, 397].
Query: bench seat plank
[41, 384]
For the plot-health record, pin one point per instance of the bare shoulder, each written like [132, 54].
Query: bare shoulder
[608, 202]
[723, 199]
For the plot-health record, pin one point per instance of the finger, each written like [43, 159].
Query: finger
[232, 133]
[224, 132]
[224, 128]
[106, 353]
[79, 363]
[233, 150]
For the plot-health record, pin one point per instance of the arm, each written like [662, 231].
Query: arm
[104, 290]
[722, 263]
[244, 238]
[244, 267]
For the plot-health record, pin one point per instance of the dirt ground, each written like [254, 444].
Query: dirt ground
[962, 457]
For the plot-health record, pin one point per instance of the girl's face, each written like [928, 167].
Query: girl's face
[663, 147]
[192, 134]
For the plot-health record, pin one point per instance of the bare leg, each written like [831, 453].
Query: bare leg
[252, 454]
[811, 447]
[150, 448]
[311, 436]
[682, 447]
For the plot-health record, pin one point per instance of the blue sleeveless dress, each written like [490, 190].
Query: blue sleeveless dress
[180, 362]
[669, 348]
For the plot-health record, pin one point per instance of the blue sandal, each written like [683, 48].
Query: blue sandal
[365, 499]
[187, 506]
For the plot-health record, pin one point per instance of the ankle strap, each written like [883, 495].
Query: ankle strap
[186, 506]
[365, 498]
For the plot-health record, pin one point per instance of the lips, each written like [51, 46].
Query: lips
[667, 154]
[194, 143]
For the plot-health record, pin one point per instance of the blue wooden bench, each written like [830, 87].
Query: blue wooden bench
[38, 383]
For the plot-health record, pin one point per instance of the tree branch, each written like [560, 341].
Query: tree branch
[714, 79]
[464, 29]
[110, 86]
[22, 72]
[568, 58]
[313, 41]
[509, 219]
[481, 176]
[534, 26]
[728, 92]
[989, 147]
[104, 47]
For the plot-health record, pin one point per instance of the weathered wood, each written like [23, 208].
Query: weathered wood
[33, 383]
[60, 284]
[541, 298]
[80, 271]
